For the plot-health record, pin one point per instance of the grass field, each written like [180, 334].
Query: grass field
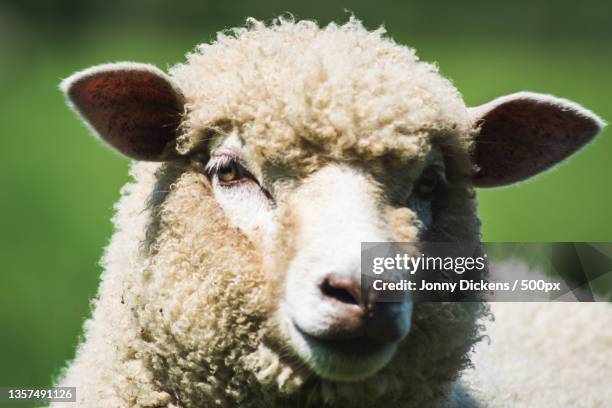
[59, 184]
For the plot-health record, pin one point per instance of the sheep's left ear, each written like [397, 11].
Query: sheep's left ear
[520, 135]
[133, 107]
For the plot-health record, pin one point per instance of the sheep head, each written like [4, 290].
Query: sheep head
[275, 151]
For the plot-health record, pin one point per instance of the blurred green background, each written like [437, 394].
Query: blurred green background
[59, 184]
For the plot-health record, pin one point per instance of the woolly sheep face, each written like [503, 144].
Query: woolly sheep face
[309, 141]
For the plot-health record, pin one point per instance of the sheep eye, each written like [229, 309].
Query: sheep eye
[231, 172]
[432, 178]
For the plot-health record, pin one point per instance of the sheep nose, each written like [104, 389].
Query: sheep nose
[358, 314]
[343, 290]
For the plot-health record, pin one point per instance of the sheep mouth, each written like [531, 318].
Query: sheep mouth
[346, 359]
[349, 347]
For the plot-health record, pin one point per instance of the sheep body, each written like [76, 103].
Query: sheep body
[540, 354]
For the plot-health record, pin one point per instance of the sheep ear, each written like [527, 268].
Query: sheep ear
[522, 134]
[134, 108]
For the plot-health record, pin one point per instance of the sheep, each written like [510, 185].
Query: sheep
[232, 278]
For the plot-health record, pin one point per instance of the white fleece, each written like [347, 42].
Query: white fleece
[541, 355]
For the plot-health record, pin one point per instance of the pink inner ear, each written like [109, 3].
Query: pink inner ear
[134, 110]
[522, 137]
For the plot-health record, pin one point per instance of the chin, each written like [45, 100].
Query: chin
[346, 360]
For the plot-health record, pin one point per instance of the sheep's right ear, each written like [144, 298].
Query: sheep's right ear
[134, 108]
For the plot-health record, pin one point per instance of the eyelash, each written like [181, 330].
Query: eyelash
[218, 161]
[230, 163]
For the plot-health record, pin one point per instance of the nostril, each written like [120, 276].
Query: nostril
[356, 314]
[343, 290]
